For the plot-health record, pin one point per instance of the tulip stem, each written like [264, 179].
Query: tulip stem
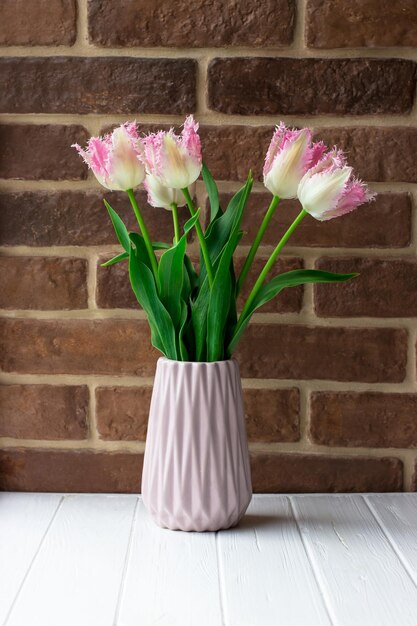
[268, 265]
[176, 222]
[257, 241]
[200, 234]
[145, 233]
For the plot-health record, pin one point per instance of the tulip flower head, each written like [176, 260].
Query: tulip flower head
[114, 158]
[329, 189]
[289, 156]
[160, 196]
[174, 160]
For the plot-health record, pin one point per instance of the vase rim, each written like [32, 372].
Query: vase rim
[164, 359]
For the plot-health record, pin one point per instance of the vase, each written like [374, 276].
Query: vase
[196, 472]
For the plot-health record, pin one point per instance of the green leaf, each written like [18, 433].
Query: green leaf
[219, 231]
[212, 192]
[199, 310]
[171, 276]
[120, 229]
[115, 259]
[192, 221]
[162, 328]
[219, 305]
[181, 338]
[140, 248]
[221, 292]
[277, 284]
[191, 273]
[160, 245]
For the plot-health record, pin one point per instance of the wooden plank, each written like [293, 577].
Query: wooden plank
[397, 514]
[171, 578]
[265, 574]
[361, 577]
[24, 520]
[76, 576]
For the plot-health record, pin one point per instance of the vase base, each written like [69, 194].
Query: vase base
[184, 523]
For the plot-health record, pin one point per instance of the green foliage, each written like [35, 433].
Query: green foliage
[212, 192]
[277, 284]
[190, 321]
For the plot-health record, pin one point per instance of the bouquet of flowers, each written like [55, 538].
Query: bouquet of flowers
[193, 314]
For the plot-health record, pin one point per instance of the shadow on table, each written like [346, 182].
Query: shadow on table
[253, 520]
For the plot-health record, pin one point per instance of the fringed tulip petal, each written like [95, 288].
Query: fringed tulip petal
[289, 156]
[174, 160]
[161, 196]
[114, 159]
[329, 190]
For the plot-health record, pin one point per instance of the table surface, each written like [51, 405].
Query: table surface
[98, 560]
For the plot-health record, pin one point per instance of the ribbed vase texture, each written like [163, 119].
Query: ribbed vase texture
[196, 473]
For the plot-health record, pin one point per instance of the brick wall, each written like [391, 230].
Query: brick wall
[330, 371]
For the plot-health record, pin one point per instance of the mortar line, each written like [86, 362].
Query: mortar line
[93, 432]
[214, 118]
[92, 260]
[299, 32]
[82, 48]
[304, 318]
[82, 26]
[112, 380]
[304, 414]
[278, 447]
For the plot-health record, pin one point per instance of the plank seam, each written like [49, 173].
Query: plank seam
[220, 578]
[25, 577]
[321, 589]
[126, 564]
[390, 539]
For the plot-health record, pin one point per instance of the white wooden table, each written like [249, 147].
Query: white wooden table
[98, 560]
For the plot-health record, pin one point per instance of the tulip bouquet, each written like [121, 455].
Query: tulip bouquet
[193, 315]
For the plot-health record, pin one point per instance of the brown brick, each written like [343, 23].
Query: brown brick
[77, 218]
[213, 24]
[354, 23]
[384, 288]
[76, 347]
[377, 420]
[385, 223]
[44, 283]
[414, 480]
[377, 154]
[97, 85]
[113, 289]
[38, 22]
[72, 471]
[272, 415]
[50, 155]
[289, 300]
[296, 473]
[266, 86]
[231, 151]
[324, 353]
[122, 412]
[43, 411]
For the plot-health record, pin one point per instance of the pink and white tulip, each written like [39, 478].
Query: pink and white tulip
[160, 196]
[329, 189]
[114, 158]
[174, 160]
[290, 154]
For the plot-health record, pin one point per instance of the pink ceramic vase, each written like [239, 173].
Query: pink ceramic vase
[196, 473]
